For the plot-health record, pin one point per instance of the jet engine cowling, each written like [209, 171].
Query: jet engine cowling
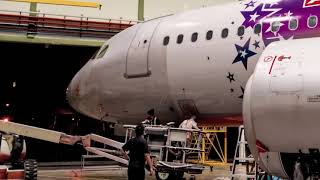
[281, 108]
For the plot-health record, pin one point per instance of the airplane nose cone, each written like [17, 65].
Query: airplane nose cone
[72, 92]
[77, 91]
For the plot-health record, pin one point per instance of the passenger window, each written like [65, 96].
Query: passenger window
[241, 31]
[257, 28]
[293, 24]
[209, 35]
[275, 26]
[194, 37]
[225, 33]
[103, 51]
[180, 39]
[312, 21]
[166, 40]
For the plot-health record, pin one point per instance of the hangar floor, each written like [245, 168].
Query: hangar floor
[119, 173]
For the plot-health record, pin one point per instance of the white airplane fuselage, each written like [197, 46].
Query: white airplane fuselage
[201, 61]
[193, 71]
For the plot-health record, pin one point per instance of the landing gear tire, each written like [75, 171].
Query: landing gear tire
[30, 169]
[162, 175]
[169, 175]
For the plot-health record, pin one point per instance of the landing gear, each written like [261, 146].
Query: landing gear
[307, 166]
[174, 175]
[30, 169]
[297, 174]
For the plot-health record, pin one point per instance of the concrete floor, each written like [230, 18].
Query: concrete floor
[120, 173]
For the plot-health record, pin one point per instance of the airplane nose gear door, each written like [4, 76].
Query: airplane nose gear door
[137, 64]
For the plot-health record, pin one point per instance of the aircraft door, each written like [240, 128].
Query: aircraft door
[137, 62]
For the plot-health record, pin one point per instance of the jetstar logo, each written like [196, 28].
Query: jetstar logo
[311, 3]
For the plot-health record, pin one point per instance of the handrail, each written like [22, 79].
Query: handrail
[106, 26]
[56, 25]
[58, 19]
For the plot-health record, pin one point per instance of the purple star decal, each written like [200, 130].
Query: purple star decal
[252, 17]
[250, 4]
[242, 90]
[231, 77]
[256, 44]
[243, 54]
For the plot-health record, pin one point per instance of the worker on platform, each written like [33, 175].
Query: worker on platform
[138, 154]
[151, 118]
[189, 123]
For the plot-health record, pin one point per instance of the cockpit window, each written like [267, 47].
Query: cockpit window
[103, 51]
[95, 54]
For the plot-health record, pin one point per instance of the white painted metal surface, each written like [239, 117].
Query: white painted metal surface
[137, 62]
[30, 131]
[287, 99]
[282, 101]
[126, 100]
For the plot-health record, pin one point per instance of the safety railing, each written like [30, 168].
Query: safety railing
[36, 22]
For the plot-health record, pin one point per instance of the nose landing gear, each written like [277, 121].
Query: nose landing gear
[30, 169]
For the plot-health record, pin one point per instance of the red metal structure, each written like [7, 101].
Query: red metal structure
[221, 121]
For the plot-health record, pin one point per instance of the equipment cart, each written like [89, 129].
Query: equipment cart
[169, 149]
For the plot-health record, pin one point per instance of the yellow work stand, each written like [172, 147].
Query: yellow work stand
[211, 142]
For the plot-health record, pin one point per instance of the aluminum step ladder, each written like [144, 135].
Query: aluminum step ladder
[241, 157]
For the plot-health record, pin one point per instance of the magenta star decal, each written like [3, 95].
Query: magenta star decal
[254, 16]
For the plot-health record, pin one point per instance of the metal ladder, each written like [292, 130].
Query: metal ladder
[238, 158]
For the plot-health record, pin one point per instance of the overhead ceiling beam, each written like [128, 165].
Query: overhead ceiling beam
[63, 2]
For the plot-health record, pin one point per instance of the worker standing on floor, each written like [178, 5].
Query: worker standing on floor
[138, 154]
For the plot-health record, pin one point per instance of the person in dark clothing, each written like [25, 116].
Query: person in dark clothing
[138, 153]
[151, 118]
[17, 148]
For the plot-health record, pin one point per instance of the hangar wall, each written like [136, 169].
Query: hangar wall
[156, 8]
[115, 9]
